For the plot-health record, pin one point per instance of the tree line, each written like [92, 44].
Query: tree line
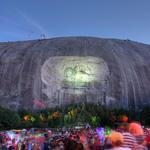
[70, 116]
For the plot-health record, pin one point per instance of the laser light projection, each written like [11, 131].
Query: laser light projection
[79, 75]
[71, 77]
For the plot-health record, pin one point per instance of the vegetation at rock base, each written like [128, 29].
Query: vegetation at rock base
[72, 115]
[9, 119]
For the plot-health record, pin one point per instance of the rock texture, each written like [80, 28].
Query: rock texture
[126, 83]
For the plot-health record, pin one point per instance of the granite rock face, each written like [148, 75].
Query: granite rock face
[54, 72]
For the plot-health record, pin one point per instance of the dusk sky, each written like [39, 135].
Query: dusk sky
[121, 19]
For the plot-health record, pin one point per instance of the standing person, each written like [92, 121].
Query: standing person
[23, 146]
[117, 141]
[29, 145]
[128, 139]
[83, 139]
[137, 131]
[4, 144]
[36, 146]
[96, 144]
[19, 145]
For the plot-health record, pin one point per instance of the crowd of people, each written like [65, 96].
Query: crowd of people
[126, 137]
